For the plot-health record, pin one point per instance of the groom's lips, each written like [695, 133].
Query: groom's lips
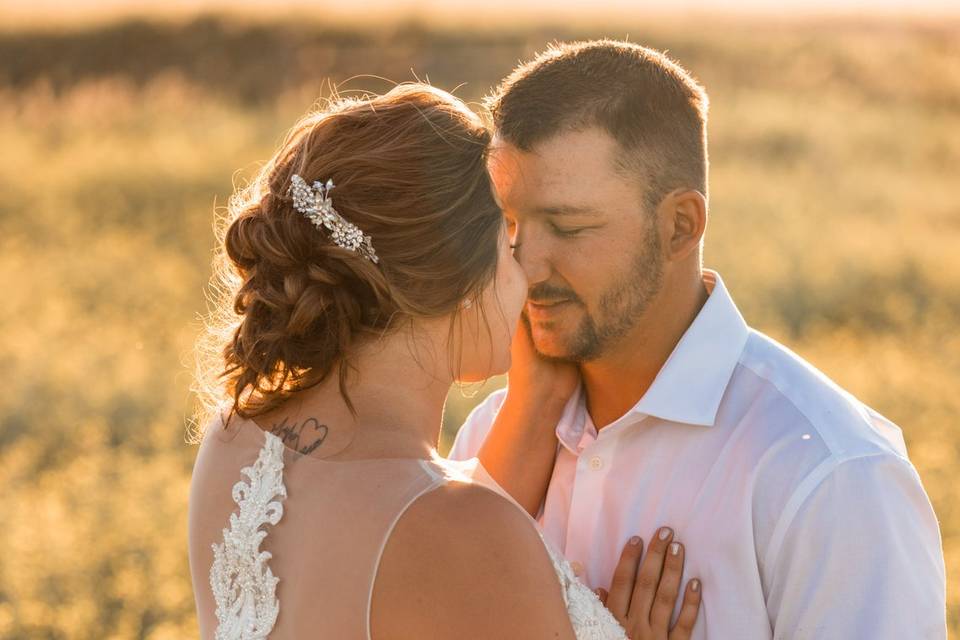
[546, 310]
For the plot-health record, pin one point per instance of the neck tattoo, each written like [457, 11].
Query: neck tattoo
[291, 433]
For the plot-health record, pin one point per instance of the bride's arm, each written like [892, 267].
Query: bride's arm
[521, 446]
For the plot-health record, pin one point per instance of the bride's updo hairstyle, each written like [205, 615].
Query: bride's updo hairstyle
[291, 306]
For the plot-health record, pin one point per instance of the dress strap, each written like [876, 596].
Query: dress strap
[436, 480]
[243, 584]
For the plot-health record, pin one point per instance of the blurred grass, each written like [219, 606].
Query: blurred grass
[834, 220]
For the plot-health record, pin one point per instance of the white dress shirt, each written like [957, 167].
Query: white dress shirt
[797, 504]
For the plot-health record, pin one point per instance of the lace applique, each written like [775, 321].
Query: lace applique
[590, 619]
[243, 585]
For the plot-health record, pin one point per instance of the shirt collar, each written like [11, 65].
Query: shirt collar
[692, 381]
[572, 422]
[690, 385]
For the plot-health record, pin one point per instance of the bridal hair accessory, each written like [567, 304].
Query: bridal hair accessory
[316, 205]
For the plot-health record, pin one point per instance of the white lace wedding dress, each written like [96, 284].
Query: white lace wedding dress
[244, 586]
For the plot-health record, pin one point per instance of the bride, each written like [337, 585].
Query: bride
[365, 269]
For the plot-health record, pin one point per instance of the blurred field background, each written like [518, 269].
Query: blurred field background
[835, 147]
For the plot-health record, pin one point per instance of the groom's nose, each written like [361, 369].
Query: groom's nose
[533, 252]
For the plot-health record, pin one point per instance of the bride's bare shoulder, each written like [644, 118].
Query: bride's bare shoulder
[463, 561]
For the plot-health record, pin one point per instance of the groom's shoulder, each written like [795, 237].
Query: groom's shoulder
[806, 407]
[819, 460]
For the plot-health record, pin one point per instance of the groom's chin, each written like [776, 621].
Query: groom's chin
[554, 337]
[550, 342]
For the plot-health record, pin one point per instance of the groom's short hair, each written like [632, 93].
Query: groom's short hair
[650, 105]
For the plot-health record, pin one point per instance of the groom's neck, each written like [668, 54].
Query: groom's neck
[617, 381]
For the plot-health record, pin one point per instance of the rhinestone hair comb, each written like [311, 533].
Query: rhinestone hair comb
[315, 204]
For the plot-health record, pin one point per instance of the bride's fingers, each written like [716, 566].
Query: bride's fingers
[668, 590]
[683, 630]
[648, 576]
[522, 344]
[621, 587]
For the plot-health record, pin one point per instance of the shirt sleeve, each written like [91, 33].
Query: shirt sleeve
[476, 427]
[861, 557]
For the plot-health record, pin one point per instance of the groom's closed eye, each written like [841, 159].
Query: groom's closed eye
[567, 210]
[570, 231]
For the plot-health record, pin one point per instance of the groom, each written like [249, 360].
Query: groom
[797, 505]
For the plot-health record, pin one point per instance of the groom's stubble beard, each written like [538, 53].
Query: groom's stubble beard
[619, 307]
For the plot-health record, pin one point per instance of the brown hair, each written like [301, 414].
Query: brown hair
[409, 170]
[651, 106]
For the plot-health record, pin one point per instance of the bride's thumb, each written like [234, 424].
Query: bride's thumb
[602, 594]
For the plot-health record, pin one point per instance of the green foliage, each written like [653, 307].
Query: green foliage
[834, 221]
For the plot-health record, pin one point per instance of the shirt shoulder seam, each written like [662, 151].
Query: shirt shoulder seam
[810, 483]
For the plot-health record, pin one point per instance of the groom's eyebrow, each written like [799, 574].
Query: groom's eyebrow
[566, 210]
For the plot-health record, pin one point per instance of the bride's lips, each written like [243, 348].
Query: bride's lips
[546, 310]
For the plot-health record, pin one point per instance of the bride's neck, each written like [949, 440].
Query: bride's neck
[397, 389]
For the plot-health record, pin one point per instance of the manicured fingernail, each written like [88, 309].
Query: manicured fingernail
[665, 533]
[635, 540]
[674, 548]
[695, 585]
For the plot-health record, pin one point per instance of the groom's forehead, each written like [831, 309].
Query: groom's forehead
[561, 165]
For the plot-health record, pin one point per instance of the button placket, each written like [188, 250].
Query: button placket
[584, 516]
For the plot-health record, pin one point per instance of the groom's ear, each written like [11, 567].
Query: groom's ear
[684, 214]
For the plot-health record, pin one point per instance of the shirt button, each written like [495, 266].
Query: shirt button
[596, 462]
[577, 568]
